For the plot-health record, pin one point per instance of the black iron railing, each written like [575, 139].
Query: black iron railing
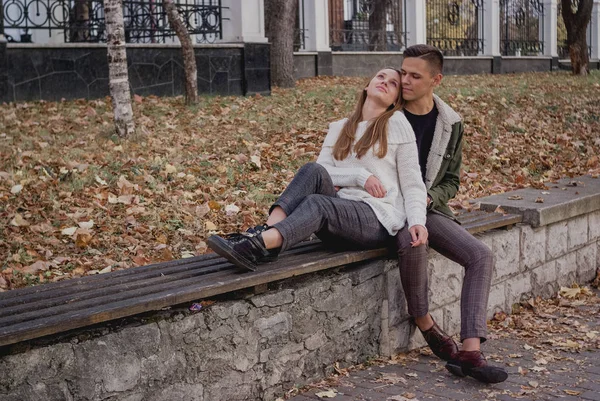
[358, 26]
[456, 27]
[83, 20]
[521, 27]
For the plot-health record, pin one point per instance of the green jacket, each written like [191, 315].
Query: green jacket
[442, 175]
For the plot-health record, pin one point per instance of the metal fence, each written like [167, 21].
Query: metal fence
[521, 27]
[563, 49]
[83, 20]
[456, 27]
[367, 25]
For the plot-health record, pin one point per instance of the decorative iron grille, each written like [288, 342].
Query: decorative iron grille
[83, 20]
[367, 25]
[521, 27]
[563, 49]
[455, 27]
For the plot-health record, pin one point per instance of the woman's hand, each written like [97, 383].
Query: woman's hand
[419, 235]
[374, 187]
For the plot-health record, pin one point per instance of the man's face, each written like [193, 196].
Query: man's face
[417, 79]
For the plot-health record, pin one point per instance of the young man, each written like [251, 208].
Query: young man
[439, 133]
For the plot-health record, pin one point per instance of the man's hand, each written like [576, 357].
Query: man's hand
[419, 235]
[374, 187]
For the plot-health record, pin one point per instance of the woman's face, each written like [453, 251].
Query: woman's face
[385, 87]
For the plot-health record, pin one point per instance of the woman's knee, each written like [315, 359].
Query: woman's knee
[313, 168]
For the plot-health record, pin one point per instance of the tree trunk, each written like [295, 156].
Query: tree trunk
[118, 78]
[187, 49]
[280, 17]
[377, 23]
[576, 22]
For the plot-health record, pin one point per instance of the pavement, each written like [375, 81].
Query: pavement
[550, 348]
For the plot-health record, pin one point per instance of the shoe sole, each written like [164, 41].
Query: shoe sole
[222, 248]
[488, 374]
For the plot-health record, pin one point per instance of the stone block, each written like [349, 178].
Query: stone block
[586, 263]
[399, 335]
[273, 299]
[557, 237]
[544, 280]
[497, 300]
[315, 341]
[533, 246]
[517, 288]
[566, 269]
[594, 225]
[362, 273]
[505, 247]
[180, 391]
[578, 232]
[452, 318]
[445, 281]
[280, 324]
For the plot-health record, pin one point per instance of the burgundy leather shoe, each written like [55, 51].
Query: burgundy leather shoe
[442, 345]
[474, 364]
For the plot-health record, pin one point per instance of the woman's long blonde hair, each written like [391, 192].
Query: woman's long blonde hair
[375, 132]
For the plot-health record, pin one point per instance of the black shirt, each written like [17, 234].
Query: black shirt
[424, 127]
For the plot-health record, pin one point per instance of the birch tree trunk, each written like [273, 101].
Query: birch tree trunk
[118, 78]
[280, 17]
[187, 49]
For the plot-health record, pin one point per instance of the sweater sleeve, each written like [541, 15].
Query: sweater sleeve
[341, 176]
[409, 173]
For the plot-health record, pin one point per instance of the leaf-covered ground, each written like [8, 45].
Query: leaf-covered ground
[75, 200]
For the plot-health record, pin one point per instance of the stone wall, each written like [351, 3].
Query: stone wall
[367, 63]
[46, 72]
[250, 346]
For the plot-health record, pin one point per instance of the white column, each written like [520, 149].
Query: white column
[246, 21]
[550, 28]
[595, 27]
[416, 22]
[491, 27]
[316, 25]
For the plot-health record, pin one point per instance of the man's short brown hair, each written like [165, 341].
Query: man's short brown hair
[431, 54]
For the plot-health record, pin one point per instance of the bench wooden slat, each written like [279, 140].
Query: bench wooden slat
[131, 289]
[46, 325]
[42, 291]
[485, 225]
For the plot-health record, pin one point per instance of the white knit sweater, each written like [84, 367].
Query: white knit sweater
[398, 171]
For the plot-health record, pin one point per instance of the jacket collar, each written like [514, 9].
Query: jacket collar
[442, 134]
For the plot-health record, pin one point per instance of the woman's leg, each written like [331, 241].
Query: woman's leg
[312, 178]
[335, 221]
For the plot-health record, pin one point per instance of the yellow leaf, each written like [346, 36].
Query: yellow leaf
[210, 226]
[19, 221]
[68, 231]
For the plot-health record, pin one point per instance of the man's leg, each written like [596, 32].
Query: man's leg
[412, 262]
[457, 244]
[453, 241]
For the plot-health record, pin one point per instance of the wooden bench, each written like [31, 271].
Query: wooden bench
[38, 311]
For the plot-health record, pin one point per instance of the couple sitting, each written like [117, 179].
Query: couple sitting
[386, 172]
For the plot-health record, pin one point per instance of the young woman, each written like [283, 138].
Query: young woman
[365, 186]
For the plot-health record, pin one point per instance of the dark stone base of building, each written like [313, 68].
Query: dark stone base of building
[365, 64]
[81, 71]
